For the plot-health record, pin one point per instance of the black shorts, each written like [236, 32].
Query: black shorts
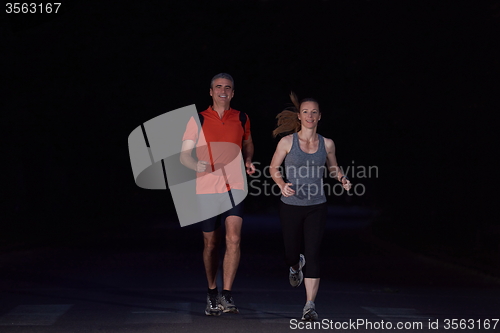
[221, 202]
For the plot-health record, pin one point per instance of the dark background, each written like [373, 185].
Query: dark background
[409, 87]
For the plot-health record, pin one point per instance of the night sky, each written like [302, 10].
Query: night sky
[409, 87]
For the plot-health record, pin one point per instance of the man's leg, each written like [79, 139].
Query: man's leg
[211, 256]
[231, 261]
[211, 241]
[232, 256]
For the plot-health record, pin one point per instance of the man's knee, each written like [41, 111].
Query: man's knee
[210, 241]
[233, 240]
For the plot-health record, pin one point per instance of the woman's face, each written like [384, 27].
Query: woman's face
[309, 114]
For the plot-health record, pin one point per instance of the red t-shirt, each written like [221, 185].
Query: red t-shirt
[219, 143]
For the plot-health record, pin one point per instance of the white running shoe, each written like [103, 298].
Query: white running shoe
[309, 313]
[296, 277]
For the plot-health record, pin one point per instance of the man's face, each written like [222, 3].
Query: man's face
[222, 90]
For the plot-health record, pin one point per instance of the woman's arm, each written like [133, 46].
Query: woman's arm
[333, 169]
[282, 150]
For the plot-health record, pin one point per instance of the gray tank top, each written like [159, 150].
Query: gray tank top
[305, 171]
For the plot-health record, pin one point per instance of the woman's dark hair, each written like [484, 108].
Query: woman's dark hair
[288, 120]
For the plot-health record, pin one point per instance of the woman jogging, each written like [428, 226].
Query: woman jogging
[303, 207]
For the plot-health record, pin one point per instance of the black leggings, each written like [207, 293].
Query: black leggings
[303, 228]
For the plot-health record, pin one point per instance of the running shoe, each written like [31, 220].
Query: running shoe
[213, 305]
[227, 303]
[309, 313]
[296, 277]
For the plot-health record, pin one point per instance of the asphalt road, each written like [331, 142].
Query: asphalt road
[151, 279]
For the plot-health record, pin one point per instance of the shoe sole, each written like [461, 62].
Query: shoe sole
[301, 278]
[213, 312]
[301, 265]
[310, 316]
[230, 310]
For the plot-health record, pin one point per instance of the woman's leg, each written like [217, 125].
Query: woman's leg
[314, 226]
[291, 225]
[312, 286]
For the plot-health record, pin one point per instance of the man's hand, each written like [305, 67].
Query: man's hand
[250, 168]
[201, 166]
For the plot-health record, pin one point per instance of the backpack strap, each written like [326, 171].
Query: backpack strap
[243, 120]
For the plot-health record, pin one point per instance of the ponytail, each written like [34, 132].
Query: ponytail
[288, 120]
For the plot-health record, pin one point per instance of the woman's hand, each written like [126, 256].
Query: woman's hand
[346, 184]
[287, 191]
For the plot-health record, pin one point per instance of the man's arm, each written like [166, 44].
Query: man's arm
[187, 159]
[247, 151]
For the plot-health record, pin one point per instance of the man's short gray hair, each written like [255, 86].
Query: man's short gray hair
[222, 76]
